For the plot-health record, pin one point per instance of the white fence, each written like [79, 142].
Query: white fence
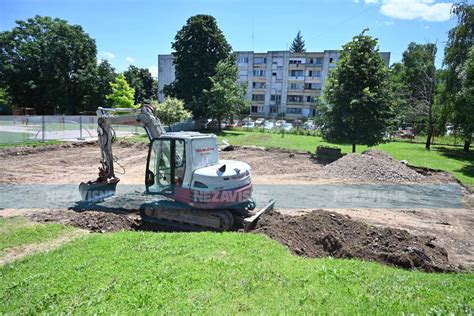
[20, 129]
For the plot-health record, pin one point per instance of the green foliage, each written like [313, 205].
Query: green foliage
[357, 93]
[141, 80]
[226, 98]
[105, 75]
[456, 56]
[297, 46]
[122, 95]
[217, 273]
[172, 111]
[5, 102]
[419, 79]
[198, 47]
[49, 65]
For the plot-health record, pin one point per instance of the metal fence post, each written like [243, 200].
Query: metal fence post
[80, 128]
[43, 128]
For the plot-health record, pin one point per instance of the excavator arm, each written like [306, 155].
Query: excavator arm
[106, 182]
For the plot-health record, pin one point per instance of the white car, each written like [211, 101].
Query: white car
[286, 126]
[259, 121]
[248, 125]
[279, 123]
[268, 125]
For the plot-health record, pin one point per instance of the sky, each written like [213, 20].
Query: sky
[134, 32]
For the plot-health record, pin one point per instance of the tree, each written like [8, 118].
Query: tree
[460, 41]
[48, 64]
[226, 98]
[171, 111]
[402, 112]
[297, 46]
[122, 95]
[105, 76]
[141, 80]
[419, 77]
[357, 93]
[198, 46]
[5, 102]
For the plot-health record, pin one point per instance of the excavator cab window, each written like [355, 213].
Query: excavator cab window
[166, 166]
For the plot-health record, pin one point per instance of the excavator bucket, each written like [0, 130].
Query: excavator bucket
[250, 222]
[97, 191]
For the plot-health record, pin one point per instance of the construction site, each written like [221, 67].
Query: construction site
[436, 239]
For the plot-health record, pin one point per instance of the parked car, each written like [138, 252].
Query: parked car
[248, 125]
[286, 126]
[268, 125]
[279, 123]
[259, 121]
[407, 133]
[308, 125]
[232, 124]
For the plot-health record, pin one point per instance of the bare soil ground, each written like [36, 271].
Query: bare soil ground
[73, 163]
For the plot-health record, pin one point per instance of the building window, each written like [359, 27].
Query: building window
[296, 86]
[310, 73]
[296, 73]
[258, 97]
[295, 61]
[275, 98]
[293, 110]
[295, 98]
[259, 73]
[258, 85]
[331, 60]
[254, 109]
[317, 73]
[311, 60]
[319, 60]
[243, 60]
[273, 109]
[259, 60]
[309, 99]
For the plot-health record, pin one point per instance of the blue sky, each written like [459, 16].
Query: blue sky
[136, 31]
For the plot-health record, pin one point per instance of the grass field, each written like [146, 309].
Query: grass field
[18, 231]
[451, 159]
[217, 273]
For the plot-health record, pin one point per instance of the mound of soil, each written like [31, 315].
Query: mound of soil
[321, 234]
[372, 165]
[99, 222]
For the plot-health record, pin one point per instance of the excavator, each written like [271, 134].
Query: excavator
[194, 189]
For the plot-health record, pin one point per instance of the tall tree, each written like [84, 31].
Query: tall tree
[456, 54]
[171, 111]
[357, 93]
[226, 98]
[142, 81]
[105, 76]
[198, 46]
[419, 76]
[122, 95]
[48, 64]
[297, 46]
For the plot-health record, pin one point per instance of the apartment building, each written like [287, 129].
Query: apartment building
[278, 82]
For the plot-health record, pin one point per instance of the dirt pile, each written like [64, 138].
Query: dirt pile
[321, 233]
[99, 222]
[372, 165]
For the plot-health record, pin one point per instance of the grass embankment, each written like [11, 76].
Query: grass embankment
[28, 143]
[18, 231]
[184, 273]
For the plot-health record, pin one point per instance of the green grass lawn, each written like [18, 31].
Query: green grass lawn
[18, 231]
[217, 273]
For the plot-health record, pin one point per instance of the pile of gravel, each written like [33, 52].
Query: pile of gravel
[372, 165]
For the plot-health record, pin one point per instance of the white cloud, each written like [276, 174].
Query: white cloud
[427, 10]
[154, 71]
[356, 1]
[106, 55]
[130, 60]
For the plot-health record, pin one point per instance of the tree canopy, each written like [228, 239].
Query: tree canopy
[122, 95]
[226, 98]
[357, 94]
[297, 46]
[48, 64]
[142, 81]
[198, 47]
[171, 111]
[105, 75]
[456, 59]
